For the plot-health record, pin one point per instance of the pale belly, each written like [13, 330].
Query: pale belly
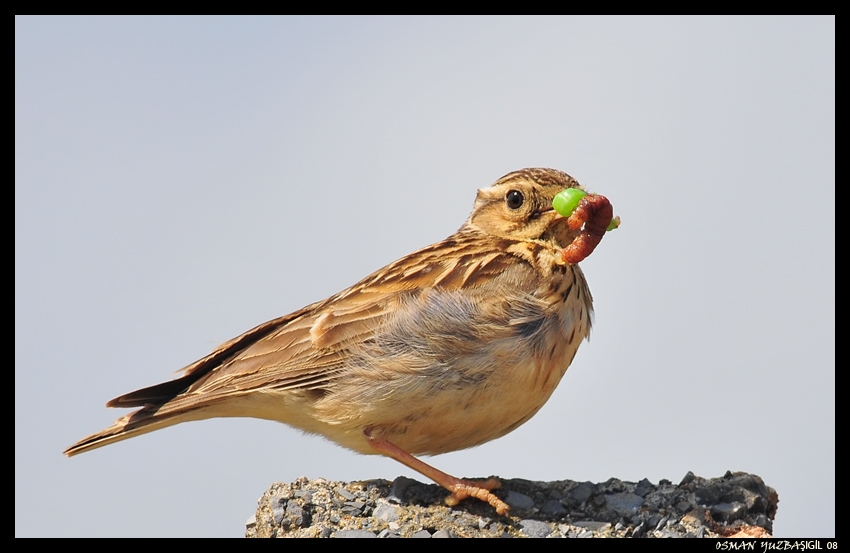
[445, 373]
[456, 395]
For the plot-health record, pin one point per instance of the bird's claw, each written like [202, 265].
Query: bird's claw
[479, 490]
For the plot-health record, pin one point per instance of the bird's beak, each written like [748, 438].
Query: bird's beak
[554, 214]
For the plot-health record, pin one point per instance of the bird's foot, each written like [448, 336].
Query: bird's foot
[461, 489]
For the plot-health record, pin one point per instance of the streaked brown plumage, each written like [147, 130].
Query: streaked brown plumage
[449, 347]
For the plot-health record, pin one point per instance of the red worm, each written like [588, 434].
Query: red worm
[594, 212]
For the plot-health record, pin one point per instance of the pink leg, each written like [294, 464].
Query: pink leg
[461, 489]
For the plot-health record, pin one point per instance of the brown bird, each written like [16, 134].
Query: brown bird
[447, 348]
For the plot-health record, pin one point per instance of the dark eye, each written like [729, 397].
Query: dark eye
[514, 199]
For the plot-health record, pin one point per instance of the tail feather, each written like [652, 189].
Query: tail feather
[170, 403]
[129, 426]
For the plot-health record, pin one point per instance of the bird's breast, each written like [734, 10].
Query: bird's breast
[450, 370]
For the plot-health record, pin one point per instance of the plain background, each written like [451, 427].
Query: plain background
[180, 180]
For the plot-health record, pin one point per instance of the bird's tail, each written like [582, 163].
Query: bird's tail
[129, 426]
[172, 402]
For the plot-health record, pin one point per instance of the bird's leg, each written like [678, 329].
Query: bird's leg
[461, 489]
[594, 212]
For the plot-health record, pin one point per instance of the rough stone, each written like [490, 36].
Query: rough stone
[518, 500]
[698, 507]
[535, 528]
[354, 534]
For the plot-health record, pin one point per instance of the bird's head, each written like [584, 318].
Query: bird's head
[518, 206]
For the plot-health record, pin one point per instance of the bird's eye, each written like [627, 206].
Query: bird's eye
[514, 199]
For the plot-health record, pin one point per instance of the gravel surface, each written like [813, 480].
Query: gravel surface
[735, 504]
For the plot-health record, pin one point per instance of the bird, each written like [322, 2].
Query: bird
[449, 347]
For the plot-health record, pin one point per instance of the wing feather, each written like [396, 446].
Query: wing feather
[306, 349]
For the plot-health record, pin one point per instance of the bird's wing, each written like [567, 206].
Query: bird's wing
[307, 349]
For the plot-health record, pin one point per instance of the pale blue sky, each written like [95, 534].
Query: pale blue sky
[180, 180]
